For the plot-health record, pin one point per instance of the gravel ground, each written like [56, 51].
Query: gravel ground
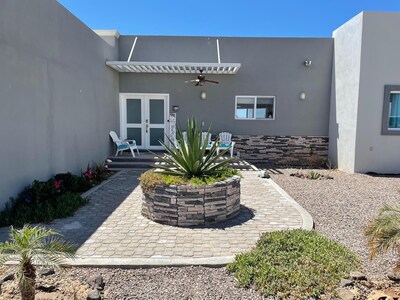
[342, 207]
[128, 284]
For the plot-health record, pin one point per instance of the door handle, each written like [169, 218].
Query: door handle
[147, 128]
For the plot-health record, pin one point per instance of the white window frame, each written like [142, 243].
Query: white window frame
[255, 108]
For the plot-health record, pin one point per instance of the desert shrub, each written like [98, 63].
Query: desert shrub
[383, 232]
[151, 178]
[298, 264]
[313, 175]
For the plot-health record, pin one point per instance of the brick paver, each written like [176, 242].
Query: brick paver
[111, 225]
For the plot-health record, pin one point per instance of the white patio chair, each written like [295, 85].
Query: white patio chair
[123, 145]
[205, 139]
[225, 142]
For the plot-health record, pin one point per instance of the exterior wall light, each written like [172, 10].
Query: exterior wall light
[302, 96]
[175, 108]
[203, 95]
[307, 63]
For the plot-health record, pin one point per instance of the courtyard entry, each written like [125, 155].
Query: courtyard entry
[143, 118]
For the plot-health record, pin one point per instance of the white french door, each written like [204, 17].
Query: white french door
[143, 118]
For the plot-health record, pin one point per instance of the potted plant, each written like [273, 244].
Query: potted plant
[189, 186]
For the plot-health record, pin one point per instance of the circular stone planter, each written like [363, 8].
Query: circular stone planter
[187, 205]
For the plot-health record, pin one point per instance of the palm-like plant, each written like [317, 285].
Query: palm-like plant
[30, 246]
[383, 232]
[189, 159]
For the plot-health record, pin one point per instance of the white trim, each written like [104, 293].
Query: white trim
[133, 47]
[255, 103]
[111, 32]
[218, 53]
[144, 97]
[173, 67]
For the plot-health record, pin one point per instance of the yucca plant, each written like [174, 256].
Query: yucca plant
[383, 232]
[32, 246]
[189, 159]
[313, 175]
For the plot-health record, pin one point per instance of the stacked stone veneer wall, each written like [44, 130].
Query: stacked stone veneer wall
[188, 205]
[282, 150]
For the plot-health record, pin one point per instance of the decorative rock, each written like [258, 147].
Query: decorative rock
[345, 294]
[394, 276]
[357, 276]
[96, 282]
[7, 277]
[93, 295]
[49, 296]
[46, 272]
[46, 288]
[382, 295]
[346, 282]
[263, 174]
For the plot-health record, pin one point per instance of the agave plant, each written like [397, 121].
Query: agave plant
[383, 232]
[188, 158]
[30, 246]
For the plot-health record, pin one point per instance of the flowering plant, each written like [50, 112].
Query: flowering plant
[57, 185]
[89, 174]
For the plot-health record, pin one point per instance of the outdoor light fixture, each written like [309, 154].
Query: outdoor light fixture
[302, 96]
[307, 63]
[175, 108]
[203, 95]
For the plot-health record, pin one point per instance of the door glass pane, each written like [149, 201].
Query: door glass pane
[245, 108]
[134, 134]
[394, 111]
[265, 108]
[156, 111]
[133, 111]
[156, 134]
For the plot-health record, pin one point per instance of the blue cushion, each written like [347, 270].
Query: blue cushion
[122, 147]
[225, 145]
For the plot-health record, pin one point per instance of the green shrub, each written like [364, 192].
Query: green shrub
[73, 183]
[297, 263]
[190, 159]
[58, 197]
[151, 178]
[18, 212]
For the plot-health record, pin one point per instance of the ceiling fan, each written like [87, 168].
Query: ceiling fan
[201, 80]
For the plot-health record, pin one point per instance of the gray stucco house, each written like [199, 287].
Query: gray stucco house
[63, 87]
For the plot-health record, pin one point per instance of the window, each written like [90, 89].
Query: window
[394, 110]
[391, 110]
[255, 108]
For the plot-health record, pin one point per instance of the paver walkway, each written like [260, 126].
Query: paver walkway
[112, 227]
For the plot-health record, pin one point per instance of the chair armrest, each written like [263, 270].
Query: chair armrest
[130, 141]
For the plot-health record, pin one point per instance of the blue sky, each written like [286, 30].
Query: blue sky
[278, 18]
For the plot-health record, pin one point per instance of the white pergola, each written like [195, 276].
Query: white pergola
[173, 67]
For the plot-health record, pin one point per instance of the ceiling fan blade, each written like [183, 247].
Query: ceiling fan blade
[194, 80]
[197, 83]
[212, 81]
